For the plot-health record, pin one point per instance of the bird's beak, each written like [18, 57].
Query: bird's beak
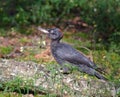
[43, 30]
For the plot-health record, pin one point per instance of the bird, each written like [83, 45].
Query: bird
[64, 53]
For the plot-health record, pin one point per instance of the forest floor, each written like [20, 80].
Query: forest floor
[35, 47]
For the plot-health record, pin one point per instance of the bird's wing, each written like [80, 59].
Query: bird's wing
[67, 53]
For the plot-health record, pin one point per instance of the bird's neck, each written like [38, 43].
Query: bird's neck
[54, 42]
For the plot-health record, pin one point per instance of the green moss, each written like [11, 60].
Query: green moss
[24, 40]
[5, 50]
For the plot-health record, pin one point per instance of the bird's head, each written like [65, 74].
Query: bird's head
[53, 33]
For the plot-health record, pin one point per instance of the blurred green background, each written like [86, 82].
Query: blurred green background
[103, 15]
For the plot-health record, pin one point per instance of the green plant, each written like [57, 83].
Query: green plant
[104, 16]
[5, 50]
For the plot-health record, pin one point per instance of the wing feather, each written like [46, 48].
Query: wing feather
[68, 53]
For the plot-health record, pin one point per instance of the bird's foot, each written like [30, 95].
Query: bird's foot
[65, 70]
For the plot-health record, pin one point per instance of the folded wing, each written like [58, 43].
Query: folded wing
[67, 53]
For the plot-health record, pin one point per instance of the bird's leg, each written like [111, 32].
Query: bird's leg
[65, 70]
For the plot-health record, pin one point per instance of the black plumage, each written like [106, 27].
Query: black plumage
[65, 53]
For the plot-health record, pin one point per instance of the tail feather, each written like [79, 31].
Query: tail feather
[101, 70]
[91, 71]
[99, 76]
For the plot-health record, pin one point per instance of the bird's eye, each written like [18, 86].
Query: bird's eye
[52, 31]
